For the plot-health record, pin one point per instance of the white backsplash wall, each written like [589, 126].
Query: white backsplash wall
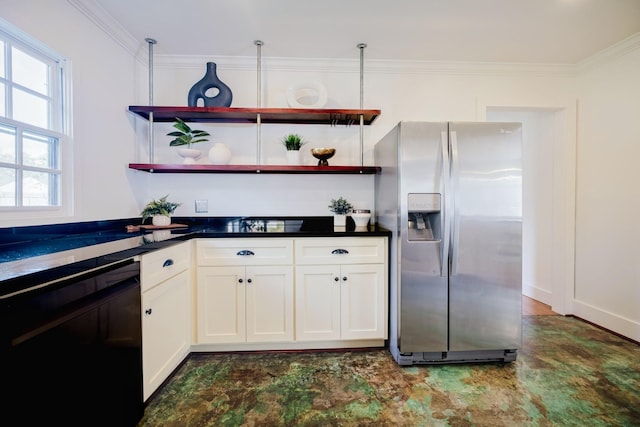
[257, 195]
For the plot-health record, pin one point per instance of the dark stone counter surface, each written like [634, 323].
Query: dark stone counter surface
[39, 254]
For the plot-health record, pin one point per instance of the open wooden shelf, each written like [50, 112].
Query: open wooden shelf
[320, 116]
[270, 169]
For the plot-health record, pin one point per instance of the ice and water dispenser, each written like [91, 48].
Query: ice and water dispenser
[423, 222]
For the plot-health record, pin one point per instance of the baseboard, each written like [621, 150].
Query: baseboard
[620, 325]
[299, 345]
[537, 294]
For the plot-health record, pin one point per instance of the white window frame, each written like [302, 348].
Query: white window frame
[59, 127]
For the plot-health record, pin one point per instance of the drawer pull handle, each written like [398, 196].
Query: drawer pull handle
[339, 251]
[168, 263]
[148, 311]
[245, 252]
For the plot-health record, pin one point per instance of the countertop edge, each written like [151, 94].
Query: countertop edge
[22, 281]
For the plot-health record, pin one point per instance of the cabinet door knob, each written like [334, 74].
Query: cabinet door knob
[249, 280]
[148, 311]
[245, 252]
[240, 280]
[339, 251]
[168, 263]
[337, 279]
[344, 279]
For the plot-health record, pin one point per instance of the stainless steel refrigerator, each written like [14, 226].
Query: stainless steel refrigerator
[451, 193]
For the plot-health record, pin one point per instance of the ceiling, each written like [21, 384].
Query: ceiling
[516, 31]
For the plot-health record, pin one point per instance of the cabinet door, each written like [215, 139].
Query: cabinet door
[165, 329]
[362, 301]
[269, 303]
[221, 305]
[317, 303]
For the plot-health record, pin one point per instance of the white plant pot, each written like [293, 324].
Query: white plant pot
[160, 220]
[339, 220]
[294, 157]
[189, 155]
[219, 154]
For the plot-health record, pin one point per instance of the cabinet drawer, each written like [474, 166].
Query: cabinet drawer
[249, 251]
[341, 250]
[160, 265]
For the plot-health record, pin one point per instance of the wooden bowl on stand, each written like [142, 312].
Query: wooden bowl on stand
[323, 154]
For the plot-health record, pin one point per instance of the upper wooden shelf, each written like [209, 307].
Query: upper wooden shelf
[250, 115]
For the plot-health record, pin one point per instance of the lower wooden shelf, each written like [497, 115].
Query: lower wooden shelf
[271, 169]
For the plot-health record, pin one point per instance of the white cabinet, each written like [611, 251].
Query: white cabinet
[166, 313]
[244, 290]
[341, 288]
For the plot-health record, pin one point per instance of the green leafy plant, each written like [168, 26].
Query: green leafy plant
[340, 206]
[185, 135]
[158, 207]
[293, 141]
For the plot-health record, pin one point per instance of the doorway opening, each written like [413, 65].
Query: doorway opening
[540, 137]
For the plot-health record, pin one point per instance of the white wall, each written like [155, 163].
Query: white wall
[607, 288]
[103, 85]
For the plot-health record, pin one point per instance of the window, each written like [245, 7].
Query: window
[31, 123]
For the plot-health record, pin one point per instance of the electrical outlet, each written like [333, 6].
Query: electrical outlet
[202, 206]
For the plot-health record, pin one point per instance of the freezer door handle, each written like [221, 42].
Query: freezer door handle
[444, 255]
[455, 226]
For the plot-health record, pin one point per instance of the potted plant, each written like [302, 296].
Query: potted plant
[340, 208]
[184, 135]
[159, 211]
[293, 142]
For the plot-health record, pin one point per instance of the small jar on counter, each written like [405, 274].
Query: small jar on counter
[361, 217]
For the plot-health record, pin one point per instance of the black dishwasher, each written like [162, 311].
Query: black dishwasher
[72, 351]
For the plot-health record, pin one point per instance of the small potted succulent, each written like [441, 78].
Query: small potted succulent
[184, 135]
[159, 211]
[340, 208]
[293, 142]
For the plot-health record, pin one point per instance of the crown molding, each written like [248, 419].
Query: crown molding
[469, 68]
[622, 48]
[96, 14]
[330, 65]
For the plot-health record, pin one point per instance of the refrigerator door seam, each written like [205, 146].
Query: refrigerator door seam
[455, 176]
[444, 260]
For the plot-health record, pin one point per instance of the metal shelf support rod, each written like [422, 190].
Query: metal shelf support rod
[362, 46]
[259, 44]
[151, 42]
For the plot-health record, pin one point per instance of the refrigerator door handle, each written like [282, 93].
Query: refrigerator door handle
[455, 227]
[444, 256]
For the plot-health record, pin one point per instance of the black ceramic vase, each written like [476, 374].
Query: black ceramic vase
[210, 81]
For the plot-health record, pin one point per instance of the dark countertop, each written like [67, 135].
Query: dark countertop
[39, 254]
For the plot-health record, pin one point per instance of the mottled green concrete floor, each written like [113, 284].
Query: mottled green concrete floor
[568, 373]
